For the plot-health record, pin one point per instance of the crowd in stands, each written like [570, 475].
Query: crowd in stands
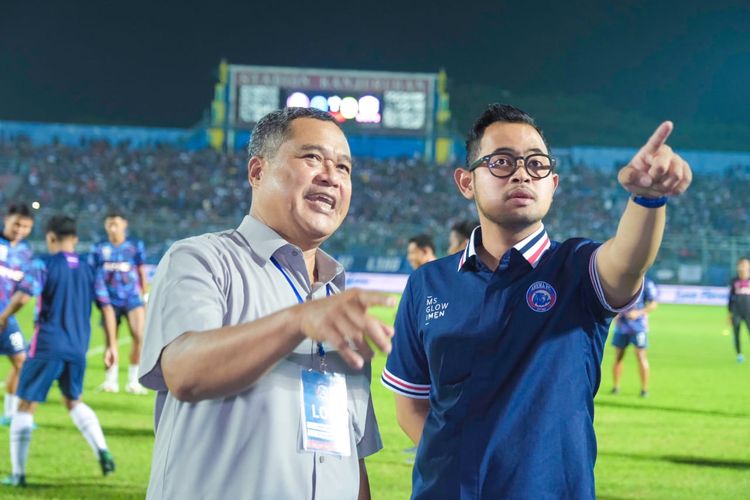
[171, 193]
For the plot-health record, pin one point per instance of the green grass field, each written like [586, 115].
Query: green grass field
[689, 439]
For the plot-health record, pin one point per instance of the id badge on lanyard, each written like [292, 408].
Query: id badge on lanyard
[325, 425]
[323, 401]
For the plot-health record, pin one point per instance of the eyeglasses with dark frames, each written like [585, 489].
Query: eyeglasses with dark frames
[503, 165]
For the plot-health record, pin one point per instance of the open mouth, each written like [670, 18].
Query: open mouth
[322, 200]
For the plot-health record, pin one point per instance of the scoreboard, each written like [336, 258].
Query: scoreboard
[363, 102]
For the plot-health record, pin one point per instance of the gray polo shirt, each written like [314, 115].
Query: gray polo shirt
[247, 445]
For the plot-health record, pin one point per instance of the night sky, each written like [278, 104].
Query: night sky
[153, 63]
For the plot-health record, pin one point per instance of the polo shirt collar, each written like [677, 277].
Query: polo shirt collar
[531, 248]
[265, 242]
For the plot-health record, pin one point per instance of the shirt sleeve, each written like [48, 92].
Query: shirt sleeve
[93, 256]
[186, 296]
[33, 279]
[370, 442]
[140, 253]
[101, 293]
[406, 371]
[590, 250]
[730, 303]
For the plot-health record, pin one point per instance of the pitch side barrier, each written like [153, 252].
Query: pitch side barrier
[668, 294]
[696, 295]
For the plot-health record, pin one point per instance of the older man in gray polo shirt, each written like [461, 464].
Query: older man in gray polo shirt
[240, 320]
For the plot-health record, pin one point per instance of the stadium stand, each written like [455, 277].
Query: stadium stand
[172, 193]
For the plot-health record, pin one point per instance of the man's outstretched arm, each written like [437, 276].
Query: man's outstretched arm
[654, 172]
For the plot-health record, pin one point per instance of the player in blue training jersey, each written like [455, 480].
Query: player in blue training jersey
[65, 286]
[122, 261]
[631, 327]
[15, 258]
[497, 351]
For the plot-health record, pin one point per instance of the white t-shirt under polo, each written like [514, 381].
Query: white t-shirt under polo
[246, 445]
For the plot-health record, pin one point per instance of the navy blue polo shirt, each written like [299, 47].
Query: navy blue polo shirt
[510, 361]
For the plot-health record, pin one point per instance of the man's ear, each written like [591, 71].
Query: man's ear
[465, 182]
[255, 167]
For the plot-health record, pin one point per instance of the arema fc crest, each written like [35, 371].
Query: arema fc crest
[541, 296]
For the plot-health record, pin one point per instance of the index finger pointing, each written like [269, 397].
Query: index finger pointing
[659, 137]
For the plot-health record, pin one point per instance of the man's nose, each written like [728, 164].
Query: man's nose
[520, 174]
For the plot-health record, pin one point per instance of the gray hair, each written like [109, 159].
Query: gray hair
[273, 129]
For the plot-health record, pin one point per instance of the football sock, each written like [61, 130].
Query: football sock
[111, 377]
[86, 421]
[10, 405]
[133, 374]
[20, 439]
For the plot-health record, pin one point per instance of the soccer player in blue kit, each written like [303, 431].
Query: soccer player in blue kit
[631, 327]
[65, 286]
[122, 260]
[497, 350]
[15, 258]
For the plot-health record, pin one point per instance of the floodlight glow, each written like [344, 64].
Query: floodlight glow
[319, 102]
[369, 109]
[349, 107]
[334, 104]
[298, 100]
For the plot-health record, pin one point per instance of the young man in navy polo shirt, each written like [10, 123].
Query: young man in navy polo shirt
[65, 286]
[497, 351]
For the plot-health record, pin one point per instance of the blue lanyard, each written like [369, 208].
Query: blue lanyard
[321, 351]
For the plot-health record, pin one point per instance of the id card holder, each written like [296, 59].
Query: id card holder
[325, 423]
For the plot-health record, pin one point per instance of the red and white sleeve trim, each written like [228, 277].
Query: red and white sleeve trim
[401, 386]
[594, 275]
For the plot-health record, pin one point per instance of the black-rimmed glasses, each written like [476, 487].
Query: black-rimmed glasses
[503, 165]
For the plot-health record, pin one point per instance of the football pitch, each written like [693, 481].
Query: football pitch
[689, 439]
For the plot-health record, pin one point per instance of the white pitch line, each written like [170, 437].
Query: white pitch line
[96, 351]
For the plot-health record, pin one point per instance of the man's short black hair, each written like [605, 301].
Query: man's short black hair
[115, 212]
[62, 226]
[503, 113]
[423, 241]
[20, 209]
[273, 129]
[464, 228]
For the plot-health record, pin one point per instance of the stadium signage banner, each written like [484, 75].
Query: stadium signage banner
[318, 81]
[391, 283]
[371, 102]
[668, 294]
[696, 295]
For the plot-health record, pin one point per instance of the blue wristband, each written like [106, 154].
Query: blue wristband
[650, 202]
